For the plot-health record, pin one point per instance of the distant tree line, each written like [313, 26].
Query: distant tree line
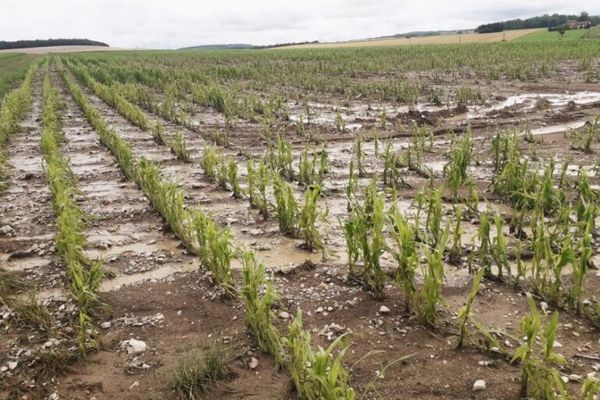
[23, 44]
[545, 21]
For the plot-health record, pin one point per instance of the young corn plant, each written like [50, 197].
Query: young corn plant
[316, 374]
[485, 244]
[465, 313]
[433, 221]
[352, 186]
[457, 232]
[359, 157]
[392, 177]
[405, 253]
[279, 157]
[232, 177]
[312, 169]
[580, 268]
[258, 180]
[539, 377]
[455, 170]
[500, 249]
[158, 133]
[429, 297]
[590, 390]
[309, 214]
[179, 147]
[365, 242]
[259, 296]
[210, 162]
[216, 250]
[286, 207]
[589, 135]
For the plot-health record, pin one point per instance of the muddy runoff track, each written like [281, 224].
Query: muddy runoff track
[159, 294]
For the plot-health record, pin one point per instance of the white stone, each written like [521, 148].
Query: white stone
[253, 363]
[479, 385]
[12, 365]
[284, 315]
[134, 346]
[384, 310]
[106, 325]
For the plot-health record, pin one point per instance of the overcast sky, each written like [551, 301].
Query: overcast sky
[179, 23]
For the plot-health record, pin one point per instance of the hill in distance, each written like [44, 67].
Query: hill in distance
[218, 46]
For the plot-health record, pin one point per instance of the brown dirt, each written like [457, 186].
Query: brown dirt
[153, 275]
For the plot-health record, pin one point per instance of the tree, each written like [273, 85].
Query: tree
[584, 16]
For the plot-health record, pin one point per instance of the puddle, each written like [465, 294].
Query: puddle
[558, 128]
[110, 285]
[25, 264]
[528, 101]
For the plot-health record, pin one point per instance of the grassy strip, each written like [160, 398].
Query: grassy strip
[85, 275]
[13, 68]
[12, 110]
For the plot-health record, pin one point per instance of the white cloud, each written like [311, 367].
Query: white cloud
[178, 23]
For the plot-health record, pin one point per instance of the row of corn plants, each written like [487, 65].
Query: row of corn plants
[84, 274]
[13, 109]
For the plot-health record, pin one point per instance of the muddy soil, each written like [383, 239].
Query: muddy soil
[159, 294]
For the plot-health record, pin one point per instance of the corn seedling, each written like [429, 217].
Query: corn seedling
[216, 250]
[460, 157]
[316, 374]
[258, 180]
[391, 171]
[464, 313]
[352, 186]
[308, 218]
[259, 296]
[499, 248]
[405, 254]
[210, 162]
[179, 147]
[312, 169]
[365, 242]
[580, 269]
[232, 177]
[279, 157]
[433, 221]
[359, 157]
[539, 378]
[429, 296]
[457, 231]
[286, 207]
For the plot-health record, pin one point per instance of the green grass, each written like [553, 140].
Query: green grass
[543, 36]
[13, 67]
[593, 33]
